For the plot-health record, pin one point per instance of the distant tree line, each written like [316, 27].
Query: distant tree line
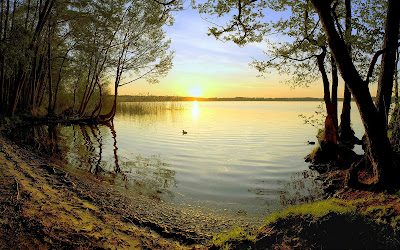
[59, 56]
[152, 98]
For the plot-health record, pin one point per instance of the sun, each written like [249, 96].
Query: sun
[195, 91]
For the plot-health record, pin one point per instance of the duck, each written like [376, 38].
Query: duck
[311, 142]
[184, 132]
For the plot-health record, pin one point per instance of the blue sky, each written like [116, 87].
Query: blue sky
[218, 69]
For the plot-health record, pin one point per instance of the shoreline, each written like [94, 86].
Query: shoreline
[47, 205]
[67, 209]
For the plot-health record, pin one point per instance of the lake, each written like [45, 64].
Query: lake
[241, 157]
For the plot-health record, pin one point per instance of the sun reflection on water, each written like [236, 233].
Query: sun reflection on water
[195, 110]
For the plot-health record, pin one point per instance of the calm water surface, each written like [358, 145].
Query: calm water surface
[244, 157]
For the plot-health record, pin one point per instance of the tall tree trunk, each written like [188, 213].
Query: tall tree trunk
[385, 81]
[346, 133]
[49, 110]
[20, 79]
[394, 124]
[2, 62]
[345, 130]
[379, 149]
[330, 128]
[335, 83]
[110, 116]
[75, 88]
[3, 35]
[43, 17]
[6, 20]
[1, 17]
[13, 16]
[59, 79]
[97, 110]
[27, 14]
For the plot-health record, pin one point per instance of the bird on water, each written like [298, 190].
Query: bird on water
[184, 132]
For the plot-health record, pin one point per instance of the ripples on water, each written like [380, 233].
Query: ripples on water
[238, 156]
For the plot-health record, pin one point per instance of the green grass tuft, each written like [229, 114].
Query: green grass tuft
[317, 209]
[236, 235]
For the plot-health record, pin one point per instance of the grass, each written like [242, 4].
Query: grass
[148, 108]
[237, 234]
[317, 209]
[365, 220]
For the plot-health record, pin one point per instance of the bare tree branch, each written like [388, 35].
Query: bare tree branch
[165, 4]
[374, 60]
[140, 77]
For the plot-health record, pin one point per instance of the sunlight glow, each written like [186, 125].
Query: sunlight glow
[195, 91]
[195, 110]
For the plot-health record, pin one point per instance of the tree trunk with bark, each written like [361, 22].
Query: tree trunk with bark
[390, 41]
[379, 151]
[346, 133]
[330, 134]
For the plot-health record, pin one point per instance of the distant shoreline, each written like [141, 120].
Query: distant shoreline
[150, 98]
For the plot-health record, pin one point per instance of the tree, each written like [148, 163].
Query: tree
[374, 116]
[298, 56]
[53, 49]
[141, 47]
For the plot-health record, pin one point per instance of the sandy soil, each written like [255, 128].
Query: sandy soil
[43, 205]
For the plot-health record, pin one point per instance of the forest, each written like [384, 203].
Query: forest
[60, 57]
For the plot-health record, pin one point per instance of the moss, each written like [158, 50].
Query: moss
[320, 134]
[314, 152]
[238, 234]
[395, 222]
[313, 210]
[317, 209]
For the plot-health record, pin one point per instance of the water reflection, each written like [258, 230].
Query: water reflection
[224, 162]
[117, 169]
[83, 147]
[97, 135]
[302, 189]
[195, 110]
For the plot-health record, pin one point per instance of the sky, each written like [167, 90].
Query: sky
[210, 68]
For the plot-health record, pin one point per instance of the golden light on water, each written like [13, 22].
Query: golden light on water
[195, 110]
[195, 91]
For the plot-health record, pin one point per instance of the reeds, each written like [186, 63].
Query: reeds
[148, 108]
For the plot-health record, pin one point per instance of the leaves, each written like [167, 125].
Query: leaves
[300, 34]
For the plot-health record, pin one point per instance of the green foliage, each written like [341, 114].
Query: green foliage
[224, 240]
[317, 209]
[320, 134]
[72, 56]
[301, 35]
[317, 120]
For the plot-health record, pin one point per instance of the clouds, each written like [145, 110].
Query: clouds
[220, 69]
[197, 52]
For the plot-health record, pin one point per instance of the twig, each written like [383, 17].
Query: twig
[18, 194]
[374, 60]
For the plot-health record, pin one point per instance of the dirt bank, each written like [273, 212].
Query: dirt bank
[43, 205]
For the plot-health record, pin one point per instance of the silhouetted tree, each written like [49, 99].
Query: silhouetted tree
[51, 50]
[247, 25]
